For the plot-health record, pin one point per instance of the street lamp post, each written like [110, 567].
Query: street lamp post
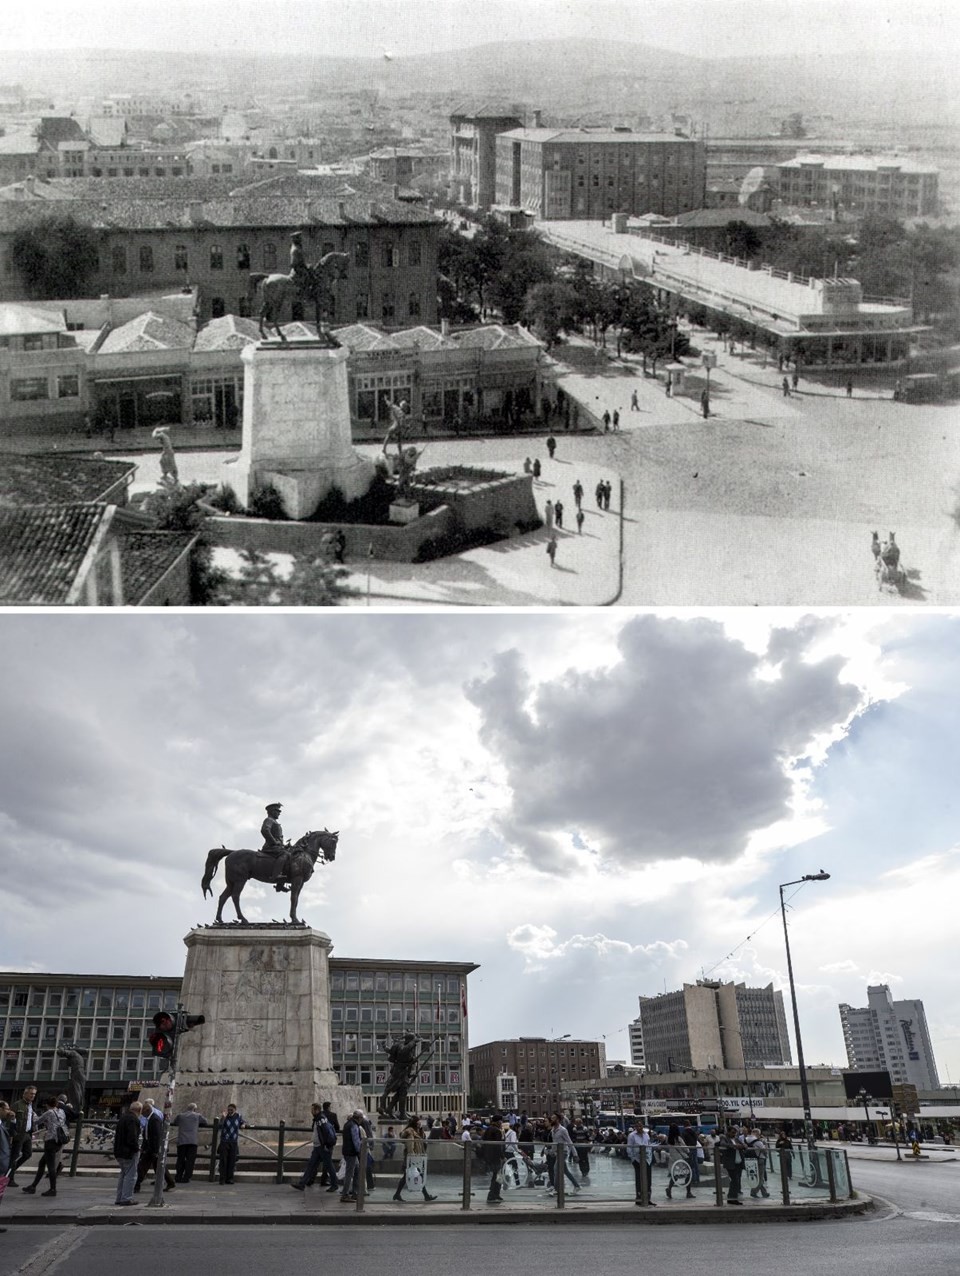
[804, 1088]
[865, 1099]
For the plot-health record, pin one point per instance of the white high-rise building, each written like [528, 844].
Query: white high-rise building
[891, 1035]
[635, 1031]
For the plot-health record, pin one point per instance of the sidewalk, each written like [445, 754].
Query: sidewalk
[87, 1201]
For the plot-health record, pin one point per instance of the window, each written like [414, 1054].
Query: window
[363, 306]
[68, 387]
[217, 307]
[146, 259]
[25, 388]
[243, 257]
[269, 255]
[216, 257]
[413, 305]
[388, 307]
[415, 252]
[361, 254]
[180, 257]
[118, 260]
[389, 255]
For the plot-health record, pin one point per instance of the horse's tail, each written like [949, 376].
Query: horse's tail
[213, 859]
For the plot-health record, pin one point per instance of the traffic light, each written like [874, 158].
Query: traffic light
[163, 1038]
[185, 1022]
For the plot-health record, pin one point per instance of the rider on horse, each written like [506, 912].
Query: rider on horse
[299, 269]
[274, 845]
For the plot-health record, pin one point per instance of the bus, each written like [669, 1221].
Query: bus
[702, 1122]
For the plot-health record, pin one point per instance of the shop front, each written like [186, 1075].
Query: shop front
[137, 402]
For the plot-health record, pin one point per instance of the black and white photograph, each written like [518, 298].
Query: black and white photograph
[479, 604]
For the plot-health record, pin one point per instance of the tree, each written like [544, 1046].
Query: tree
[312, 582]
[57, 256]
[741, 240]
[550, 309]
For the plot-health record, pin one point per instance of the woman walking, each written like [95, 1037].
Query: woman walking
[414, 1156]
[50, 1125]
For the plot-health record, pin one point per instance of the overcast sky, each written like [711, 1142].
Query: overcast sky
[712, 28]
[591, 806]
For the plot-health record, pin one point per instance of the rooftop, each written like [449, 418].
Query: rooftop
[147, 556]
[42, 549]
[49, 479]
[859, 163]
[148, 331]
[25, 319]
[605, 136]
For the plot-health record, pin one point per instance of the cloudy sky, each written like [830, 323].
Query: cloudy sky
[714, 28]
[590, 805]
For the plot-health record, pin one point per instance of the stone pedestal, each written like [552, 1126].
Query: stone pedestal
[404, 511]
[296, 427]
[265, 1045]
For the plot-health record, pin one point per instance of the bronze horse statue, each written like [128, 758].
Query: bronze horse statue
[240, 866]
[276, 291]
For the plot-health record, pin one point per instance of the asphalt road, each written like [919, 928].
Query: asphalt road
[916, 1233]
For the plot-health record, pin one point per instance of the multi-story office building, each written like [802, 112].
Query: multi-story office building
[584, 174]
[542, 1069]
[889, 185]
[637, 1056]
[714, 1025]
[214, 245]
[473, 155]
[107, 1018]
[890, 1035]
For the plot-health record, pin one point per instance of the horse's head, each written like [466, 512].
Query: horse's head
[326, 841]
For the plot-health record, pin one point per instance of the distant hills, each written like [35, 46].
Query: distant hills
[599, 79]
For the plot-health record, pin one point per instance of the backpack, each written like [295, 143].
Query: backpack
[328, 1135]
[62, 1135]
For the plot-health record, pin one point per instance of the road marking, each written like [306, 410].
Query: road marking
[53, 1253]
[931, 1216]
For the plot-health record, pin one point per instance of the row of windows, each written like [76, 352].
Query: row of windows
[351, 981]
[119, 999]
[391, 1014]
[25, 389]
[351, 1043]
[28, 1065]
[391, 257]
[18, 1028]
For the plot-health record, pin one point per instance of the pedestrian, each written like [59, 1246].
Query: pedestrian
[151, 1121]
[616, 419]
[640, 1155]
[323, 1140]
[757, 1145]
[53, 1130]
[694, 1151]
[188, 1123]
[784, 1144]
[231, 1123]
[26, 1119]
[849, 388]
[786, 388]
[492, 1152]
[327, 1178]
[729, 1146]
[558, 513]
[606, 421]
[582, 1143]
[339, 545]
[414, 1161]
[578, 493]
[580, 518]
[600, 494]
[527, 465]
[551, 446]
[669, 389]
[795, 379]
[7, 1121]
[536, 467]
[548, 515]
[126, 1152]
[560, 1137]
[353, 1132]
[704, 403]
[634, 402]
[677, 1154]
[552, 550]
[607, 493]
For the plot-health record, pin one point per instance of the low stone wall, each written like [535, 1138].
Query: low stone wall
[394, 544]
[479, 498]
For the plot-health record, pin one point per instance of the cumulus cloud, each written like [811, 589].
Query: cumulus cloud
[540, 944]
[684, 747]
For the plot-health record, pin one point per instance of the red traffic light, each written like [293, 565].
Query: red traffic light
[164, 1035]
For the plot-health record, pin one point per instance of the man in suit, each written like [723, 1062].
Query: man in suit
[23, 1131]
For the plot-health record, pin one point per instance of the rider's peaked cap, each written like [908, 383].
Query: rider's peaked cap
[274, 806]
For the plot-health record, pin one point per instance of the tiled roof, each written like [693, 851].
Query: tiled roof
[604, 136]
[107, 130]
[421, 338]
[18, 320]
[486, 111]
[146, 556]
[860, 163]
[104, 190]
[126, 211]
[42, 548]
[49, 479]
[230, 332]
[149, 331]
[363, 336]
[22, 143]
[495, 336]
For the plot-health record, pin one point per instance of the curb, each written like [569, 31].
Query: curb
[482, 1218]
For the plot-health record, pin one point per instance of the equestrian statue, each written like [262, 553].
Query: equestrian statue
[286, 867]
[303, 283]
